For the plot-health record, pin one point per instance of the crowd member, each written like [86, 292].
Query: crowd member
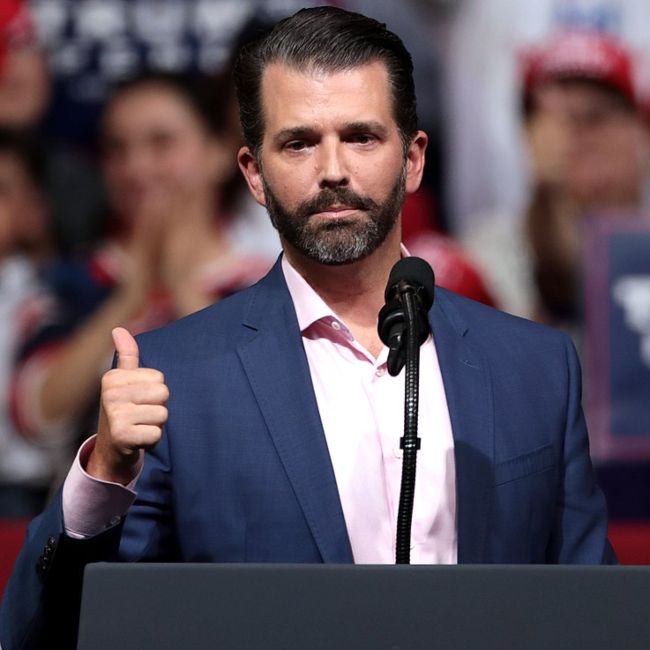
[486, 151]
[280, 438]
[182, 237]
[588, 155]
[24, 84]
[26, 467]
[72, 185]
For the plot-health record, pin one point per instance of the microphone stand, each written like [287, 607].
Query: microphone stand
[403, 326]
[409, 443]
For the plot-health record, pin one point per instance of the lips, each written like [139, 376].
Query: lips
[335, 203]
[336, 210]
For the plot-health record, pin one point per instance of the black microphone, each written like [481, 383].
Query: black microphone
[414, 276]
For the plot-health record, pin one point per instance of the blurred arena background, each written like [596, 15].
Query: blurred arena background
[120, 200]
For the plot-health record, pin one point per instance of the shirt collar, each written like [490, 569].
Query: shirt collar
[310, 307]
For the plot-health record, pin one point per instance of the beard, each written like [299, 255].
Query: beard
[340, 240]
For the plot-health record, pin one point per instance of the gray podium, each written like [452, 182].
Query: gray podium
[337, 607]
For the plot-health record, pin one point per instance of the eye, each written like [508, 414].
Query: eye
[362, 138]
[295, 145]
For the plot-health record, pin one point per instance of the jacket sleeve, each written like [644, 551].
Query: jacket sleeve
[41, 603]
[40, 607]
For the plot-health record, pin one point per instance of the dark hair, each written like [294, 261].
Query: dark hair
[327, 39]
[210, 98]
[25, 148]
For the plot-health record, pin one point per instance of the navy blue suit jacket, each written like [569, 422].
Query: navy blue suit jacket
[243, 473]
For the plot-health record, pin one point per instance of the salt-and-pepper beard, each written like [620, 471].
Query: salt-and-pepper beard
[340, 240]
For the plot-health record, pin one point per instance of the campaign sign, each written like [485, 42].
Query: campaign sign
[617, 337]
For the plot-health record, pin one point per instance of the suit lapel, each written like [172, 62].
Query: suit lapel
[469, 398]
[275, 363]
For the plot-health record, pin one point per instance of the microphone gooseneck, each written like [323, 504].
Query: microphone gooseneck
[403, 326]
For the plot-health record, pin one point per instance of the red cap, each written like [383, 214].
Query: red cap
[16, 26]
[581, 55]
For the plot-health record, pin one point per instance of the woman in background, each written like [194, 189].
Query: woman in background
[182, 235]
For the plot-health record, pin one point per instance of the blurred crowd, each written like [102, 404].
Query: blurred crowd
[121, 202]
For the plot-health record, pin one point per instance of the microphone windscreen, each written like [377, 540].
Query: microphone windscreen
[416, 272]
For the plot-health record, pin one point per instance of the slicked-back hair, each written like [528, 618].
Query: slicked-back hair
[324, 39]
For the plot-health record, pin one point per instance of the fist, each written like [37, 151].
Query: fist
[132, 413]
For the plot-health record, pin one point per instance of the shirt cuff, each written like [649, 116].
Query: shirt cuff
[90, 505]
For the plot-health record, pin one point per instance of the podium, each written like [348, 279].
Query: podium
[341, 607]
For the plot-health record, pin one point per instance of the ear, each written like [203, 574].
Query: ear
[252, 173]
[415, 157]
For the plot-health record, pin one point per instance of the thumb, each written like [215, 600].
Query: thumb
[128, 355]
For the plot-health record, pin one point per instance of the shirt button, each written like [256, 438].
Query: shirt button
[397, 452]
[381, 371]
[336, 325]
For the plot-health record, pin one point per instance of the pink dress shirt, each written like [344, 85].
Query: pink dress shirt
[362, 412]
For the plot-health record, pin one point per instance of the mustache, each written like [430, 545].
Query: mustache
[330, 197]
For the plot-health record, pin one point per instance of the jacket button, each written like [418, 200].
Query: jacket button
[41, 566]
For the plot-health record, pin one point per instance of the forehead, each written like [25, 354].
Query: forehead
[316, 98]
[146, 106]
[565, 93]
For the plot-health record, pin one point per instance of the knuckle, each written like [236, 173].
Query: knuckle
[150, 435]
[111, 396]
[109, 377]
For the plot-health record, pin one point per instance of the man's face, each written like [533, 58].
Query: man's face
[331, 170]
[336, 240]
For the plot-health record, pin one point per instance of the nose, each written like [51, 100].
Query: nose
[136, 163]
[332, 165]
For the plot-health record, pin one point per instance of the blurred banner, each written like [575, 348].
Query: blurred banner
[617, 339]
[91, 44]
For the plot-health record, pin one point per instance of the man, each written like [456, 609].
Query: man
[281, 426]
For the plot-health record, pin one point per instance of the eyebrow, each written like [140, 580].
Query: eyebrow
[301, 132]
[371, 126]
[293, 133]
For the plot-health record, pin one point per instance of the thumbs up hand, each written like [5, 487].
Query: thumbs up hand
[132, 414]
